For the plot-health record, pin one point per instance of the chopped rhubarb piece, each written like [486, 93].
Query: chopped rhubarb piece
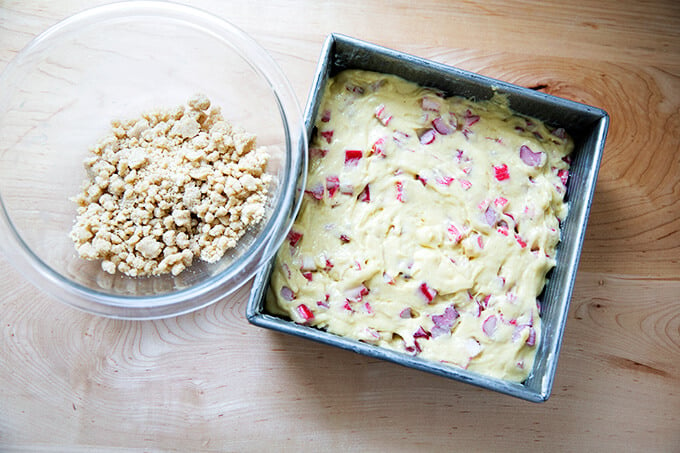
[458, 158]
[531, 339]
[520, 241]
[326, 116]
[354, 88]
[406, 313]
[400, 191]
[563, 175]
[427, 136]
[287, 293]
[500, 202]
[400, 137]
[429, 104]
[501, 172]
[308, 263]
[465, 184]
[421, 333]
[372, 334]
[344, 238]
[304, 312]
[470, 119]
[328, 135]
[347, 306]
[503, 230]
[324, 303]
[422, 179]
[332, 185]
[476, 309]
[328, 265]
[441, 126]
[378, 147]
[480, 241]
[490, 216]
[352, 157]
[316, 191]
[444, 322]
[357, 293]
[445, 180]
[382, 115]
[307, 275]
[455, 233]
[529, 157]
[428, 292]
[286, 269]
[368, 308]
[387, 278]
[365, 195]
[531, 335]
[318, 152]
[294, 237]
[346, 189]
[489, 325]
[485, 301]
[560, 133]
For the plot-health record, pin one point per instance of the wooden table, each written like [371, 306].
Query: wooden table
[210, 381]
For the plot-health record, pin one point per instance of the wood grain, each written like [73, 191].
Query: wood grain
[209, 381]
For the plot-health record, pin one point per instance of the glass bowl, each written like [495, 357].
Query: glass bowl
[57, 99]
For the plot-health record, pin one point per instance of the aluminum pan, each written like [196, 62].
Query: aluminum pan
[586, 124]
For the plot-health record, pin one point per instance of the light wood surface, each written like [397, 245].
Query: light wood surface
[209, 381]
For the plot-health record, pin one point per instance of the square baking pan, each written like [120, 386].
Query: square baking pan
[588, 127]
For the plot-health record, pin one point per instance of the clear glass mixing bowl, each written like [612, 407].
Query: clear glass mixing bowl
[57, 98]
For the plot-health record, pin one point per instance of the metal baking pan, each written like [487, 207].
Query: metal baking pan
[587, 125]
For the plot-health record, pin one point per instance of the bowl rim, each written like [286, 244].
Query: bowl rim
[274, 230]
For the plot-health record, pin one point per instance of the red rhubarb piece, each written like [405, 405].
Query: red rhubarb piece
[421, 333]
[520, 241]
[352, 157]
[455, 233]
[428, 103]
[445, 180]
[326, 116]
[304, 312]
[332, 185]
[489, 325]
[316, 191]
[490, 216]
[365, 195]
[357, 293]
[470, 119]
[500, 202]
[287, 293]
[378, 147]
[382, 115]
[406, 313]
[328, 135]
[400, 191]
[307, 275]
[560, 133]
[427, 136]
[442, 127]
[465, 184]
[563, 175]
[501, 172]
[344, 238]
[529, 157]
[294, 237]
[318, 152]
[444, 322]
[428, 292]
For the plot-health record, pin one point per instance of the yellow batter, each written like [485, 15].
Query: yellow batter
[428, 224]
